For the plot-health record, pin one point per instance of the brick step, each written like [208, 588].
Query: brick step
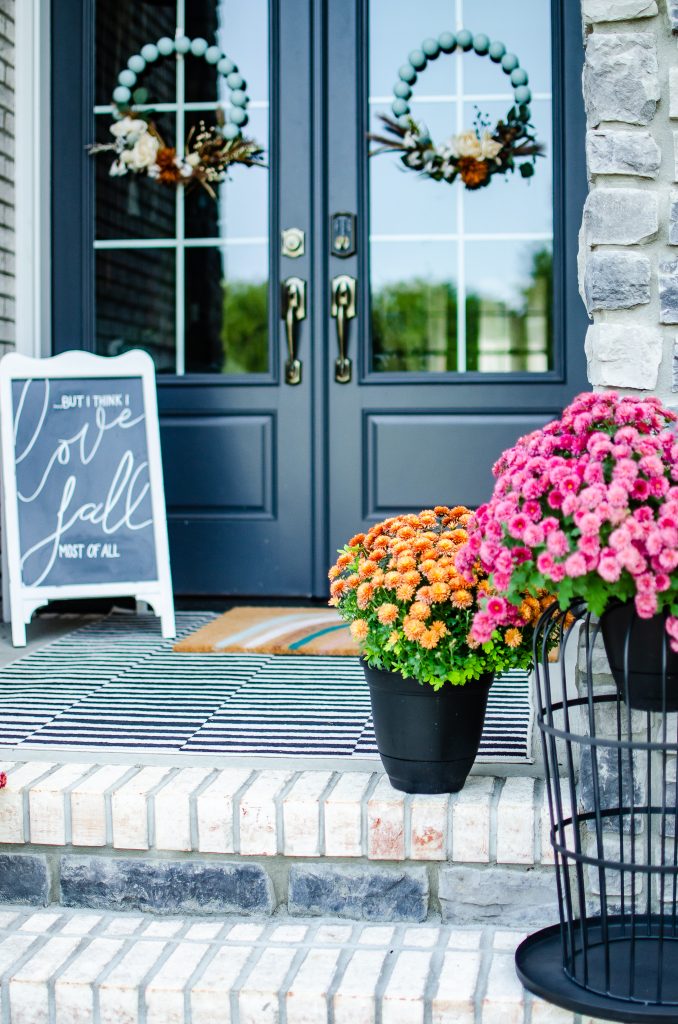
[196, 840]
[68, 967]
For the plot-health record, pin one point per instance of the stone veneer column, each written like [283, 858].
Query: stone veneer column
[628, 260]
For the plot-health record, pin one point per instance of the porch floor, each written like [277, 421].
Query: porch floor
[113, 684]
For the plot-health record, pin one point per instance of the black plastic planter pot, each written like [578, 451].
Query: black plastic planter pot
[646, 642]
[427, 740]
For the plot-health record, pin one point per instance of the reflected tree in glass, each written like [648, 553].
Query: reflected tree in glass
[414, 325]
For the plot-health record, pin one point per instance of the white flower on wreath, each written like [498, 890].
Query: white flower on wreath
[143, 154]
[466, 144]
[117, 169]
[129, 129]
[489, 147]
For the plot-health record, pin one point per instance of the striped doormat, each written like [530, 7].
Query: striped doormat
[116, 685]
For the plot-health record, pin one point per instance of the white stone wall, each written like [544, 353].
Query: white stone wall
[7, 261]
[628, 266]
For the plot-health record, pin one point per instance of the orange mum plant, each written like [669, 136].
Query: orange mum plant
[411, 610]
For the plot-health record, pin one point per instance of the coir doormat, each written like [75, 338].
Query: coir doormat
[244, 630]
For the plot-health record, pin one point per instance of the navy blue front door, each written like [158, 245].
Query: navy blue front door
[431, 325]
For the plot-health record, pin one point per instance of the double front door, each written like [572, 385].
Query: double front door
[337, 338]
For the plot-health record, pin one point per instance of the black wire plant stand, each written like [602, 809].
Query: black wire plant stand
[611, 784]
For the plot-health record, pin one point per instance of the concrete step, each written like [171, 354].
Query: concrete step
[68, 967]
[195, 840]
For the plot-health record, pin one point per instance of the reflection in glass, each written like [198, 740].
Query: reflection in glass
[460, 280]
[122, 28]
[227, 310]
[241, 207]
[220, 261]
[133, 206]
[135, 297]
[514, 204]
[241, 32]
[525, 28]
[414, 307]
[395, 29]
[509, 307]
[414, 327]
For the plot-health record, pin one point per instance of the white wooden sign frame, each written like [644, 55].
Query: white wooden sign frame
[24, 600]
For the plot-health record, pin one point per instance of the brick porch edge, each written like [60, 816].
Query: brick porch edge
[106, 968]
[311, 843]
[270, 812]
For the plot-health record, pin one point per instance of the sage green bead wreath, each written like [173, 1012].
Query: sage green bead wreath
[474, 156]
[209, 151]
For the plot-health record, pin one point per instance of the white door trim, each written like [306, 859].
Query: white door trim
[32, 177]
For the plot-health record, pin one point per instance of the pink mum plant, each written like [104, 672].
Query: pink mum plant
[586, 507]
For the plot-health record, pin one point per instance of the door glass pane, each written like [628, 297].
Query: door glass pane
[227, 310]
[215, 239]
[122, 27]
[414, 306]
[134, 207]
[461, 280]
[130, 316]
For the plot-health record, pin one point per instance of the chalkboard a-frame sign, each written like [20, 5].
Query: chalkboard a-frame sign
[84, 507]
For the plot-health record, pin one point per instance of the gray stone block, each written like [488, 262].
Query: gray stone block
[672, 11]
[673, 219]
[509, 897]
[619, 152]
[367, 893]
[667, 277]
[671, 812]
[621, 77]
[609, 780]
[620, 216]
[616, 280]
[623, 357]
[23, 879]
[617, 10]
[165, 887]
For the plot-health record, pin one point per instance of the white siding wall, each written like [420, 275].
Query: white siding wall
[7, 238]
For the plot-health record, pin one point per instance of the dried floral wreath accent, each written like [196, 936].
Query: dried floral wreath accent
[209, 151]
[474, 156]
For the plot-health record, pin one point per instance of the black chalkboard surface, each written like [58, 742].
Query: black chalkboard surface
[83, 500]
[82, 479]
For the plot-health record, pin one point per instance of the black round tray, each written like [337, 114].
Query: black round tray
[539, 963]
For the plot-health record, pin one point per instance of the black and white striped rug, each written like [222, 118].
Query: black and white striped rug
[116, 684]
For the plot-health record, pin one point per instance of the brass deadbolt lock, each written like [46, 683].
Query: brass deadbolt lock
[293, 240]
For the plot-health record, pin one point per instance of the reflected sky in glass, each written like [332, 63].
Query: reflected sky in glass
[447, 98]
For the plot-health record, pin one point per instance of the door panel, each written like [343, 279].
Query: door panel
[237, 468]
[413, 459]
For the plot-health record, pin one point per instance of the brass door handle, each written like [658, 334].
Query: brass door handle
[292, 310]
[343, 310]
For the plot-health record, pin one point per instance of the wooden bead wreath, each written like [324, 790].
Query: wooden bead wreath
[474, 156]
[209, 151]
